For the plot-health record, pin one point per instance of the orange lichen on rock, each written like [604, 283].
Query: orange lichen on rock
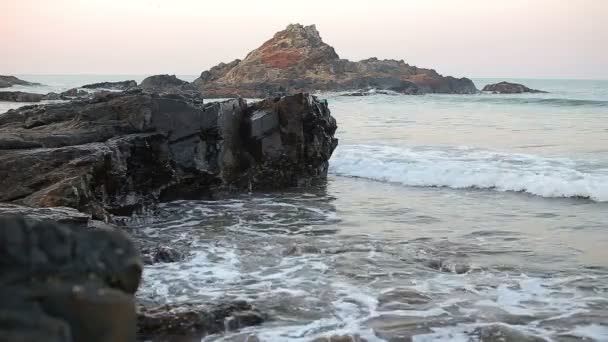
[281, 59]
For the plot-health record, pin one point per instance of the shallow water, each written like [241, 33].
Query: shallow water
[441, 214]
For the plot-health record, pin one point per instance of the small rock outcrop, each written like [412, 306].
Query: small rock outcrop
[117, 153]
[195, 321]
[64, 283]
[166, 83]
[121, 85]
[297, 60]
[9, 81]
[509, 88]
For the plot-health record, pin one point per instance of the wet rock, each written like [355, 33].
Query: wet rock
[62, 215]
[52, 96]
[299, 250]
[297, 60]
[20, 96]
[449, 267]
[509, 88]
[118, 153]
[73, 93]
[195, 320]
[9, 81]
[66, 282]
[161, 254]
[340, 338]
[121, 85]
[166, 83]
[502, 333]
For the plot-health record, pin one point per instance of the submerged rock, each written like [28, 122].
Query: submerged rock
[509, 88]
[9, 81]
[195, 321]
[161, 254]
[65, 283]
[118, 153]
[502, 333]
[297, 60]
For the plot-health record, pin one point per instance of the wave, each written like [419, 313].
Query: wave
[463, 168]
[524, 100]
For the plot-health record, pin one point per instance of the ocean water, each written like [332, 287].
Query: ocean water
[442, 215]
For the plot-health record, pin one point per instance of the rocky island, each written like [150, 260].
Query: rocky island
[9, 81]
[509, 88]
[297, 60]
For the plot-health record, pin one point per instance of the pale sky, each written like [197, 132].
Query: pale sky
[473, 38]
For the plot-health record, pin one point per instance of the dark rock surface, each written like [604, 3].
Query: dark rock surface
[161, 254]
[121, 85]
[297, 60]
[166, 83]
[509, 88]
[65, 282]
[9, 81]
[168, 322]
[117, 153]
[20, 96]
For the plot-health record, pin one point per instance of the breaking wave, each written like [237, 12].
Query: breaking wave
[473, 168]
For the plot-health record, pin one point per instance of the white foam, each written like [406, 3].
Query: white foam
[594, 332]
[472, 168]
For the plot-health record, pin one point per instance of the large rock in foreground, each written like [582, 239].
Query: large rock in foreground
[509, 88]
[297, 60]
[121, 152]
[64, 283]
[9, 81]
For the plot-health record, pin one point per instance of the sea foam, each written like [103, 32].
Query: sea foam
[461, 168]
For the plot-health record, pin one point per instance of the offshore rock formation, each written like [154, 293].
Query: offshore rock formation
[117, 153]
[121, 85]
[9, 81]
[65, 283]
[297, 60]
[509, 88]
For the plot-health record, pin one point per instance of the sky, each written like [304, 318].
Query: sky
[472, 38]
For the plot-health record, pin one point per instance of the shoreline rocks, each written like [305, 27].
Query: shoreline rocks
[509, 88]
[120, 153]
[297, 60]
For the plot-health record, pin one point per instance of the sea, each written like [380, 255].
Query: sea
[443, 218]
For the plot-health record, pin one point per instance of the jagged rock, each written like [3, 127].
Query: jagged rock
[9, 81]
[73, 93]
[509, 88]
[297, 60]
[118, 153]
[65, 282]
[121, 85]
[190, 320]
[20, 96]
[166, 83]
